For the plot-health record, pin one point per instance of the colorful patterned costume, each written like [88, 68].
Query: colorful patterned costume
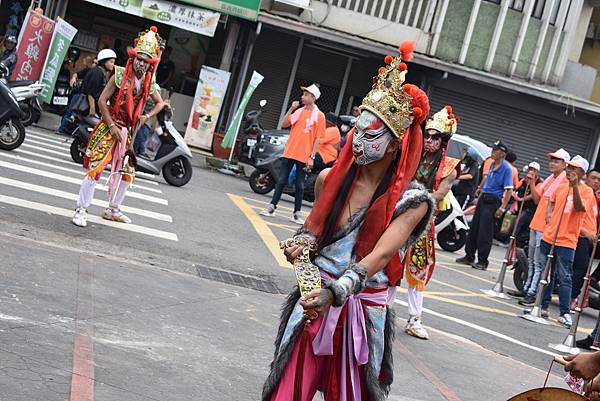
[346, 353]
[100, 147]
[125, 108]
[420, 259]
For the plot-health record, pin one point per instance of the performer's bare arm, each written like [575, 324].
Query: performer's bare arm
[159, 104]
[445, 186]
[393, 239]
[107, 93]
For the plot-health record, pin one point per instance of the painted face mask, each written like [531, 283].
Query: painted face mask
[140, 66]
[371, 139]
[432, 143]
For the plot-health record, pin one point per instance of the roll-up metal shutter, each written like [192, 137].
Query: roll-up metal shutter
[326, 68]
[273, 57]
[531, 136]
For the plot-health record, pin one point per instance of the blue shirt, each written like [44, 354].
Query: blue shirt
[498, 180]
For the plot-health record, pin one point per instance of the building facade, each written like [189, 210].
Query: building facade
[504, 65]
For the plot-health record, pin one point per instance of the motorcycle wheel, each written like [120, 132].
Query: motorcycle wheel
[12, 138]
[261, 182]
[521, 268]
[30, 115]
[178, 172]
[77, 150]
[451, 241]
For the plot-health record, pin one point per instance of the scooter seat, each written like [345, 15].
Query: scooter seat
[14, 84]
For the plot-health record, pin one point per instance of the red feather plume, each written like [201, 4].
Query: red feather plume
[406, 49]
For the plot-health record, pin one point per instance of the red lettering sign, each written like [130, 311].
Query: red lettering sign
[34, 40]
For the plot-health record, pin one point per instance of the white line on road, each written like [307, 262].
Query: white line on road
[71, 163]
[68, 170]
[482, 329]
[64, 148]
[40, 207]
[74, 197]
[58, 141]
[76, 181]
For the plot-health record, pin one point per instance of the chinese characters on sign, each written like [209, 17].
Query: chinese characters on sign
[61, 40]
[206, 107]
[247, 9]
[186, 17]
[34, 40]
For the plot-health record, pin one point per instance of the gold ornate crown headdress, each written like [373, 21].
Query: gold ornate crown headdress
[149, 43]
[444, 121]
[389, 98]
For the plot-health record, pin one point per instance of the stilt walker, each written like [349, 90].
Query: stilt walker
[121, 104]
[437, 173]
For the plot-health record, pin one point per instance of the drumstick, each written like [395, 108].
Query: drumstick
[560, 360]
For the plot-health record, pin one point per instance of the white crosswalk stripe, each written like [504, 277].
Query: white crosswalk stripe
[41, 177]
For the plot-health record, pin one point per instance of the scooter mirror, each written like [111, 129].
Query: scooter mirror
[262, 103]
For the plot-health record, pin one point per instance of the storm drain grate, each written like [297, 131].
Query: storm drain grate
[240, 280]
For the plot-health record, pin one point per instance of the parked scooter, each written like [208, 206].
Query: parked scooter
[27, 93]
[12, 131]
[251, 135]
[451, 226]
[173, 158]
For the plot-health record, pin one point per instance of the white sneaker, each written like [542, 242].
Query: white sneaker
[118, 216]
[297, 219]
[565, 320]
[269, 211]
[107, 214]
[80, 217]
[415, 328]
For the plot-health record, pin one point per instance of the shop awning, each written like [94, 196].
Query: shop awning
[247, 9]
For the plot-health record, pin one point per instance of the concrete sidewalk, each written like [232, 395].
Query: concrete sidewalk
[156, 334]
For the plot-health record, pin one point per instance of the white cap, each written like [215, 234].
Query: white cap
[560, 154]
[579, 161]
[314, 89]
[535, 166]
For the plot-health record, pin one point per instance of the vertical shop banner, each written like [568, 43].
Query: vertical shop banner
[61, 40]
[183, 16]
[34, 40]
[231, 134]
[206, 107]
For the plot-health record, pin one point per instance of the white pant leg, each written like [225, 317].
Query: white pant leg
[86, 193]
[120, 196]
[415, 302]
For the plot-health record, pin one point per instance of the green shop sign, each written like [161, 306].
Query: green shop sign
[247, 9]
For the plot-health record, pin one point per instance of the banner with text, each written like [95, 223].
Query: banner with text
[186, 17]
[61, 40]
[208, 100]
[232, 132]
[247, 9]
[34, 40]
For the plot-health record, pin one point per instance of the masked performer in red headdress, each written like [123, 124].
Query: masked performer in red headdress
[437, 173]
[337, 339]
[121, 104]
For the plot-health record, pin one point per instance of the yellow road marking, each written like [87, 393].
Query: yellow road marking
[282, 226]
[262, 229]
[451, 286]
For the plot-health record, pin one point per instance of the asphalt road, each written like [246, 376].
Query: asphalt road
[183, 304]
